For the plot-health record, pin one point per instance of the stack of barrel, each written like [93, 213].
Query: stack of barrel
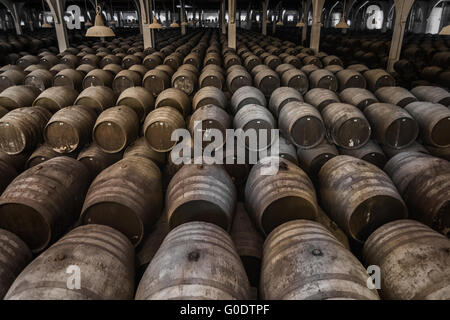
[113, 132]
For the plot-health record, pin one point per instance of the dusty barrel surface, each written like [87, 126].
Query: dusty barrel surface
[432, 94]
[18, 96]
[159, 126]
[201, 193]
[142, 149]
[395, 95]
[185, 80]
[247, 95]
[281, 96]
[70, 78]
[434, 122]
[56, 98]
[126, 196]
[312, 160]
[115, 128]
[358, 97]
[350, 79]
[156, 81]
[346, 125]
[296, 79]
[248, 242]
[209, 95]
[174, 98]
[21, 129]
[370, 152]
[377, 78]
[302, 260]
[423, 181]
[267, 81]
[98, 77]
[204, 266]
[138, 99]
[323, 79]
[14, 256]
[126, 79]
[413, 258]
[40, 78]
[359, 196]
[95, 159]
[320, 98]
[274, 199]
[41, 154]
[98, 98]
[105, 259]
[302, 124]
[392, 125]
[8, 173]
[237, 79]
[70, 128]
[42, 202]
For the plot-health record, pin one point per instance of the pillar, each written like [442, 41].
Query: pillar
[145, 21]
[402, 9]
[232, 24]
[57, 9]
[265, 6]
[222, 17]
[182, 18]
[316, 25]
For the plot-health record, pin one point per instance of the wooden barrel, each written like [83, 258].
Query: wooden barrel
[173, 60]
[434, 122]
[296, 62]
[40, 78]
[159, 126]
[275, 199]
[332, 227]
[423, 181]
[349, 78]
[140, 148]
[253, 118]
[286, 150]
[230, 60]
[370, 152]
[395, 95]
[126, 79]
[272, 61]
[70, 128]
[114, 69]
[42, 202]
[109, 59]
[98, 77]
[254, 71]
[392, 125]
[212, 58]
[432, 94]
[21, 129]
[309, 68]
[358, 97]
[443, 153]
[85, 68]
[248, 242]
[301, 124]
[237, 79]
[56, 98]
[323, 79]
[192, 249]
[210, 77]
[377, 78]
[334, 68]
[209, 95]
[313, 60]
[8, 173]
[17, 161]
[3, 111]
[267, 81]
[18, 96]
[130, 60]
[424, 276]
[11, 78]
[27, 61]
[156, 81]
[70, 78]
[151, 61]
[15, 256]
[49, 60]
[332, 60]
[140, 69]
[41, 154]
[346, 125]
[281, 96]
[59, 67]
[98, 98]
[211, 196]
[252, 61]
[327, 269]
[414, 147]
[185, 80]
[70, 60]
[359, 196]
[95, 159]
[296, 79]
[247, 95]
[130, 193]
[105, 258]
[320, 98]
[282, 68]
[115, 129]
[138, 99]
[176, 99]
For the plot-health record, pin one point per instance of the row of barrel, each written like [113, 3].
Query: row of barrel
[119, 197]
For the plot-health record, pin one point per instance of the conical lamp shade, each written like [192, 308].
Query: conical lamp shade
[301, 24]
[174, 24]
[155, 24]
[342, 24]
[280, 23]
[47, 25]
[99, 29]
[88, 24]
[445, 31]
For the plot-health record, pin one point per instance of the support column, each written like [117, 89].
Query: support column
[316, 25]
[145, 21]
[265, 6]
[182, 18]
[305, 20]
[402, 9]
[232, 24]
[248, 19]
[57, 9]
[14, 9]
[222, 17]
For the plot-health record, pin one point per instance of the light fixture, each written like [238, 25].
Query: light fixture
[174, 23]
[45, 24]
[343, 23]
[99, 29]
[279, 23]
[445, 31]
[155, 24]
[88, 22]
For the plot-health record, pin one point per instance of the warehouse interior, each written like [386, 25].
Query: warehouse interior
[224, 150]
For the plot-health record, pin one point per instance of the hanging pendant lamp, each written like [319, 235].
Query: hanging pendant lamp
[343, 23]
[174, 23]
[99, 29]
[88, 22]
[155, 24]
[45, 24]
[445, 31]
